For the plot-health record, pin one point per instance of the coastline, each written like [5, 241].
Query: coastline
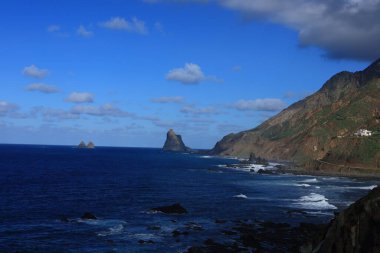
[350, 174]
[319, 168]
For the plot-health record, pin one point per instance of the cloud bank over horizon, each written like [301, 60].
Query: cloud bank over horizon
[344, 29]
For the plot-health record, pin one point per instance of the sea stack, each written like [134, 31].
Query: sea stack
[90, 145]
[174, 142]
[82, 145]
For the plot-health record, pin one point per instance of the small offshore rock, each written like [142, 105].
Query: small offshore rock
[172, 209]
[146, 241]
[88, 216]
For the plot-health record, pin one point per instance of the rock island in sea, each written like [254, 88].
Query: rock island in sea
[174, 142]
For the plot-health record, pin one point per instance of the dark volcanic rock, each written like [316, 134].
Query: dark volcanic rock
[356, 229]
[174, 142]
[90, 145]
[146, 241]
[172, 209]
[257, 160]
[82, 145]
[88, 216]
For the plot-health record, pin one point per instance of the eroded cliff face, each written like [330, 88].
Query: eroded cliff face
[174, 142]
[354, 230]
[321, 126]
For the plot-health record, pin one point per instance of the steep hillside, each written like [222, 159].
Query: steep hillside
[319, 130]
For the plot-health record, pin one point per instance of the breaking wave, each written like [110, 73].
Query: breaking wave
[315, 201]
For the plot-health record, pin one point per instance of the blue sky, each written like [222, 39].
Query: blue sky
[121, 73]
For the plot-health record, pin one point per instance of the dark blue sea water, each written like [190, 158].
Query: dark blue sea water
[41, 184]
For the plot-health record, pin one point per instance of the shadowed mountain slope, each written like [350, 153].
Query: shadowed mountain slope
[319, 131]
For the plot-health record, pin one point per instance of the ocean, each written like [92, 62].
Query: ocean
[44, 191]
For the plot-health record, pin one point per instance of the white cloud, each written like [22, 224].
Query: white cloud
[344, 29]
[163, 100]
[53, 28]
[236, 68]
[265, 104]
[118, 23]
[83, 32]
[35, 72]
[159, 27]
[190, 74]
[51, 114]
[80, 97]
[6, 108]
[103, 111]
[44, 88]
[190, 109]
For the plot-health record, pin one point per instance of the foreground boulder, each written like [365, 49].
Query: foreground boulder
[174, 142]
[172, 209]
[356, 229]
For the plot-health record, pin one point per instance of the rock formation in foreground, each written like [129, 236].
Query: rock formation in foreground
[356, 229]
[174, 142]
[323, 131]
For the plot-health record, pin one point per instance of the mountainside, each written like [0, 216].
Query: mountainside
[174, 142]
[318, 132]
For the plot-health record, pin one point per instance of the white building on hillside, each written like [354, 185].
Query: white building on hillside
[363, 132]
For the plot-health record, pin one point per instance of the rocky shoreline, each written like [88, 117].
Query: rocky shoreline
[287, 167]
[355, 229]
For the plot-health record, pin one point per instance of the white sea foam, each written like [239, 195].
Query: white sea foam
[302, 185]
[103, 223]
[312, 180]
[143, 236]
[317, 187]
[242, 196]
[206, 156]
[320, 213]
[370, 187]
[315, 201]
[115, 230]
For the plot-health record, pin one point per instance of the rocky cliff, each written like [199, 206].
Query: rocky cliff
[318, 132]
[354, 230]
[174, 142]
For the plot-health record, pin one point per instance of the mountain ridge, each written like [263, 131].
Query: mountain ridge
[320, 126]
